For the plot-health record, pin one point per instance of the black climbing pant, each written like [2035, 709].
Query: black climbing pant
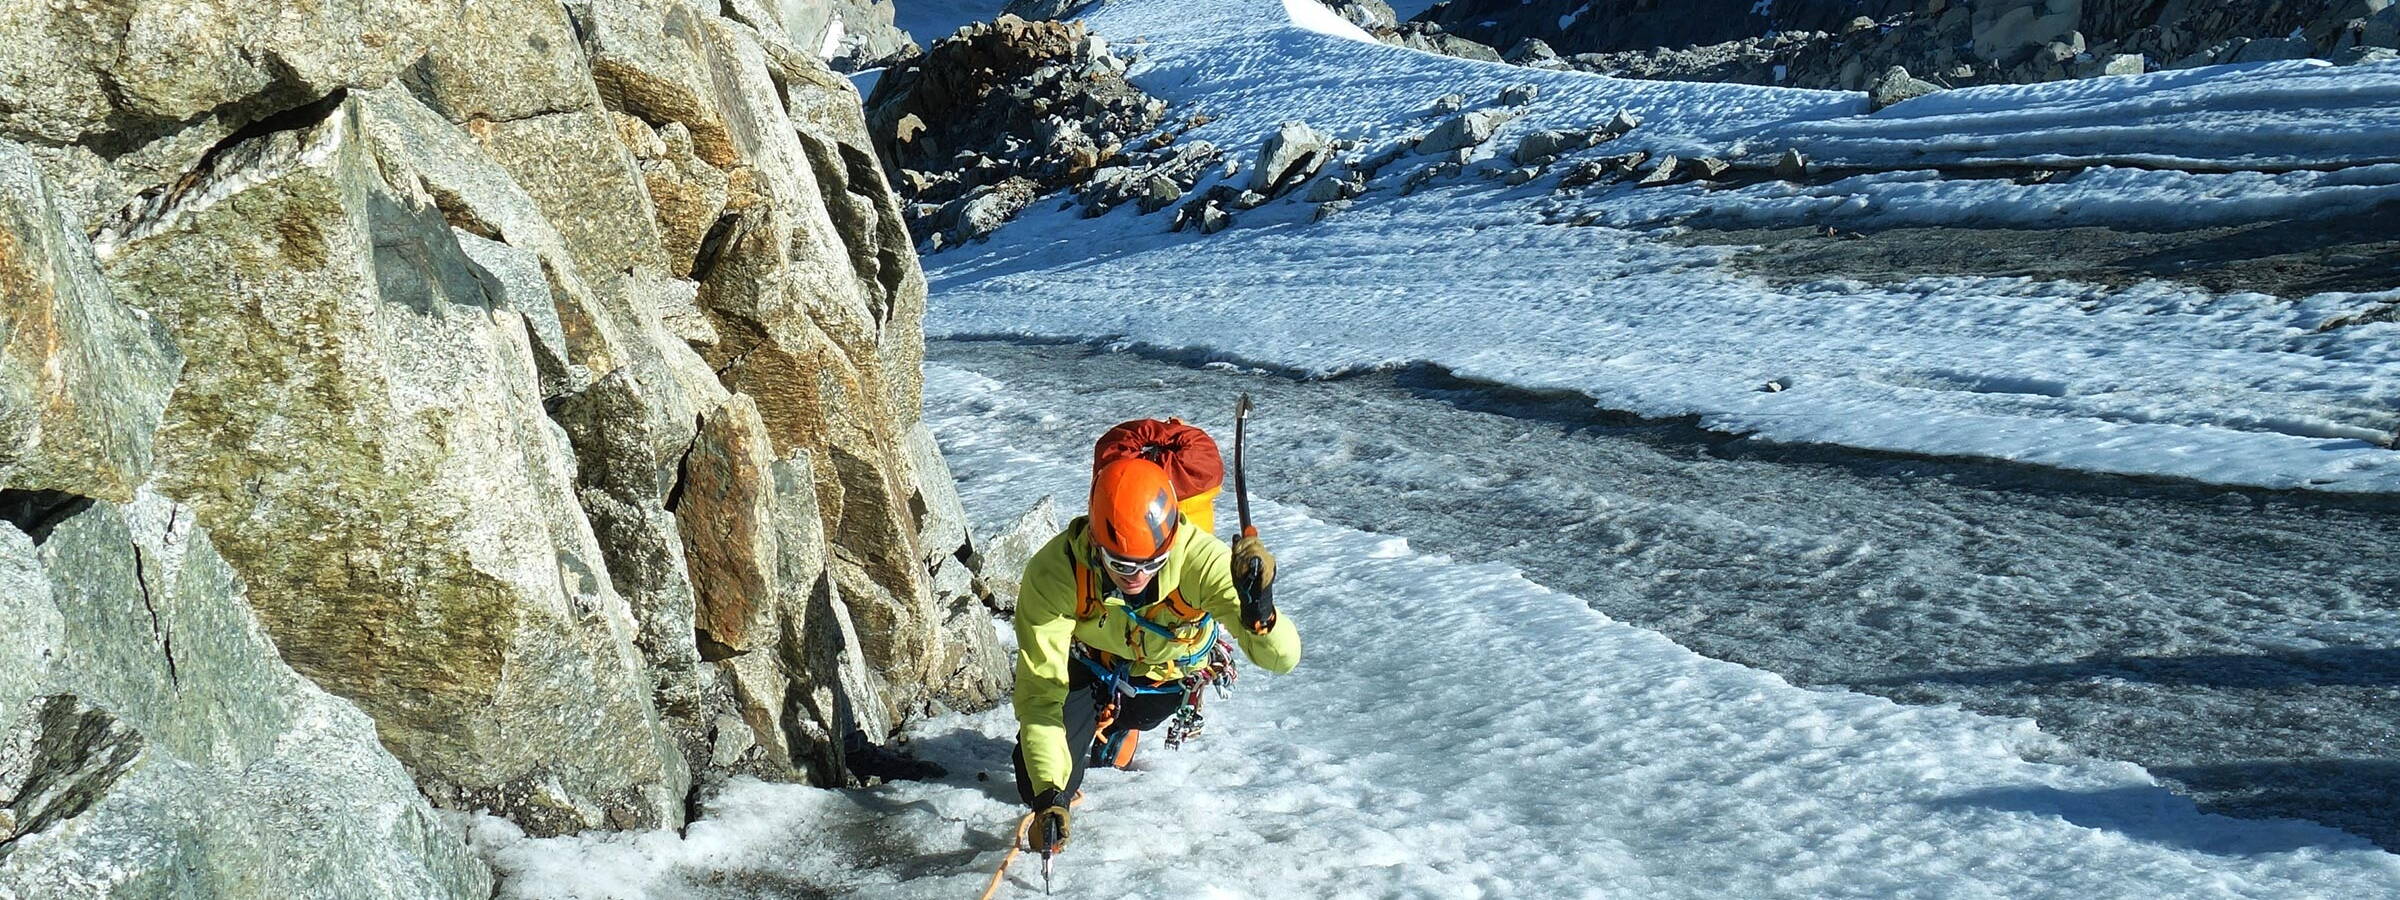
[1140, 712]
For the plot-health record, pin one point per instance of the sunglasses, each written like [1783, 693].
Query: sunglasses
[1132, 568]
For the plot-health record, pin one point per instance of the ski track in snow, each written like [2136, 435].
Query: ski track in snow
[1457, 731]
[2157, 379]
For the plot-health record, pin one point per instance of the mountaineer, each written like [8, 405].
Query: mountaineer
[1123, 616]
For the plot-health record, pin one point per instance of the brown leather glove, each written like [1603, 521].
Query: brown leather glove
[1049, 830]
[1254, 583]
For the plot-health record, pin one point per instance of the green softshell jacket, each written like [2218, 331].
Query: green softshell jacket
[1198, 574]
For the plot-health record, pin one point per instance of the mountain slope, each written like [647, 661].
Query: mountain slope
[1441, 260]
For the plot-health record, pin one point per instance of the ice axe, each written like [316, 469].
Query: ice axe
[1251, 578]
[1241, 486]
[1049, 846]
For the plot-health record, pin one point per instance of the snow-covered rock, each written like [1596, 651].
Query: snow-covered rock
[1897, 86]
[1463, 131]
[1289, 157]
[1040, 101]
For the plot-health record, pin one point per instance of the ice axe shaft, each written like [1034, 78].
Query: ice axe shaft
[1241, 486]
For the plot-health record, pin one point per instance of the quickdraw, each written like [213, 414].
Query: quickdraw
[1219, 673]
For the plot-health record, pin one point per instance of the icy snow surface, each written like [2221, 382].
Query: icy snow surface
[1458, 731]
[2156, 379]
[2239, 644]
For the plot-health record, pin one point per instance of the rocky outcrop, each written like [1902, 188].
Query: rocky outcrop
[1955, 43]
[1372, 15]
[158, 748]
[1430, 38]
[541, 382]
[848, 34]
[1577, 26]
[998, 110]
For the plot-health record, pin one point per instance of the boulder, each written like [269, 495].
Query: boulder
[1547, 144]
[1518, 94]
[1666, 170]
[1207, 211]
[1373, 16]
[978, 214]
[1533, 52]
[1432, 39]
[1429, 173]
[1212, 219]
[1159, 192]
[1448, 103]
[1329, 188]
[1464, 131]
[1896, 86]
[2116, 64]
[1288, 158]
[1792, 165]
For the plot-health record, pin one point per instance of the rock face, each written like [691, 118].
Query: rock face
[848, 34]
[158, 748]
[1953, 43]
[539, 381]
[1010, 103]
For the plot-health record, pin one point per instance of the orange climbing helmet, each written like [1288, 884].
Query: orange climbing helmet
[1133, 509]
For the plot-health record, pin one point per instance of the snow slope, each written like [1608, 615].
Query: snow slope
[2157, 379]
[1458, 731]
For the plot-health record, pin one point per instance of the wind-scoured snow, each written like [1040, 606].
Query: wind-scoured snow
[2156, 379]
[1458, 731]
[2289, 113]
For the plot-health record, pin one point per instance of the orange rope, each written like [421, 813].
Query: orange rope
[1023, 825]
[993, 889]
